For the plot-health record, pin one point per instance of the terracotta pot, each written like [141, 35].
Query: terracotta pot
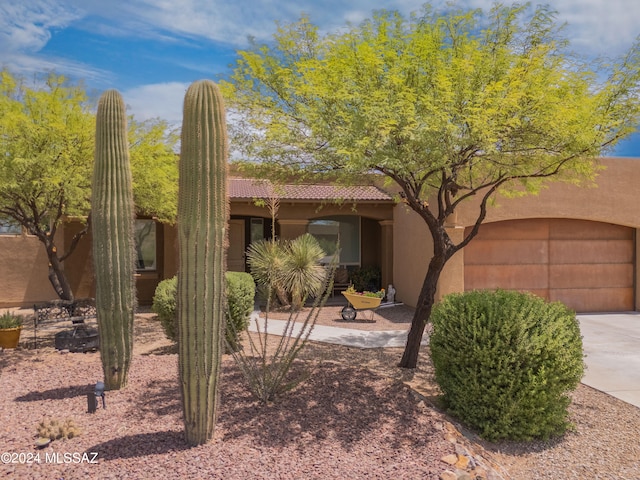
[9, 337]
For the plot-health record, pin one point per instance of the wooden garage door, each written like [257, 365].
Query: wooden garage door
[589, 266]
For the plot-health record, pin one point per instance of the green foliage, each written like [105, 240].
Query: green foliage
[45, 167]
[10, 320]
[290, 268]
[113, 240]
[241, 291]
[154, 167]
[266, 365]
[468, 97]
[164, 305]
[45, 171]
[366, 278]
[203, 212]
[505, 362]
[449, 104]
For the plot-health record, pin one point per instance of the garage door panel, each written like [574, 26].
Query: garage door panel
[517, 277]
[590, 251]
[515, 229]
[507, 252]
[591, 276]
[589, 266]
[595, 300]
[586, 230]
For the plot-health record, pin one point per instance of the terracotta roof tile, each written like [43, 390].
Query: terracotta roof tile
[245, 188]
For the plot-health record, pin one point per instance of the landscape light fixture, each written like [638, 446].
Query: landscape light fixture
[92, 397]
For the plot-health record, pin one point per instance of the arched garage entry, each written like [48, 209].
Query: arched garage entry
[587, 265]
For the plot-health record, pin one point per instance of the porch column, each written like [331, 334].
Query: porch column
[292, 228]
[386, 252]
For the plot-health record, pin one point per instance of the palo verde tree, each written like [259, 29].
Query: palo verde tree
[47, 140]
[449, 105]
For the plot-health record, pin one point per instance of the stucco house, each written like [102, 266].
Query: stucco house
[574, 244]
[360, 216]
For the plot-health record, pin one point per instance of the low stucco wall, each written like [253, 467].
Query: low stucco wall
[23, 271]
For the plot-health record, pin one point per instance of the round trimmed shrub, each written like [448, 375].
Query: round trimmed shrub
[241, 290]
[506, 361]
[164, 305]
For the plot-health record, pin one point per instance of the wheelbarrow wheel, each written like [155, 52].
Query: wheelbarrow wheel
[348, 313]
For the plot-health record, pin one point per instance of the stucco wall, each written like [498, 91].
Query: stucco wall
[615, 198]
[23, 271]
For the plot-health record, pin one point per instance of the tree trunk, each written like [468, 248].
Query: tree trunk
[422, 313]
[57, 276]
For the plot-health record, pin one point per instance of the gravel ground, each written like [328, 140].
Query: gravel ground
[355, 418]
[344, 422]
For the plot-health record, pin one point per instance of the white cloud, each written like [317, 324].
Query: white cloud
[162, 100]
[600, 26]
[596, 26]
[26, 26]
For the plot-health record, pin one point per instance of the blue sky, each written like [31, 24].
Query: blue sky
[151, 50]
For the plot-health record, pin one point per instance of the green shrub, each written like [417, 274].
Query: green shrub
[164, 305]
[505, 362]
[240, 297]
[241, 292]
[367, 277]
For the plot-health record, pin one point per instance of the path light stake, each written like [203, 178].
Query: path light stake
[203, 211]
[92, 397]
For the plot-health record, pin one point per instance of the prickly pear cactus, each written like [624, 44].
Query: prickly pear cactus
[112, 225]
[203, 212]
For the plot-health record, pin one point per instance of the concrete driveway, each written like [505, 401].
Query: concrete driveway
[612, 348]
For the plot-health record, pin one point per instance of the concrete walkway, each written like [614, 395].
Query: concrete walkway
[341, 336]
[612, 348]
[611, 345]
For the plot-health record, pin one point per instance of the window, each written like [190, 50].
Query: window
[9, 227]
[257, 229]
[145, 245]
[345, 229]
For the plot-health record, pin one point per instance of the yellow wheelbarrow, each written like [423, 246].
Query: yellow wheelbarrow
[359, 302]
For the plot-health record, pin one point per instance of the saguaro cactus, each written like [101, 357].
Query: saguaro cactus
[203, 212]
[112, 216]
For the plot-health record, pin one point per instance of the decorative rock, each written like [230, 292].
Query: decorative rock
[462, 475]
[451, 438]
[462, 462]
[479, 473]
[451, 459]
[448, 475]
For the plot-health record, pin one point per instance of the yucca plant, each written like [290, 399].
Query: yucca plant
[266, 259]
[289, 269]
[301, 274]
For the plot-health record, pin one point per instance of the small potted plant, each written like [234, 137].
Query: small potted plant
[10, 328]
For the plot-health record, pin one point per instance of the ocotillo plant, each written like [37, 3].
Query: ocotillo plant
[112, 217]
[203, 212]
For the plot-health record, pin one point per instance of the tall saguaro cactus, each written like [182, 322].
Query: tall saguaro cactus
[203, 212]
[112, 217]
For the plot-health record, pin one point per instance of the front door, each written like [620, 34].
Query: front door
[235, 253]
